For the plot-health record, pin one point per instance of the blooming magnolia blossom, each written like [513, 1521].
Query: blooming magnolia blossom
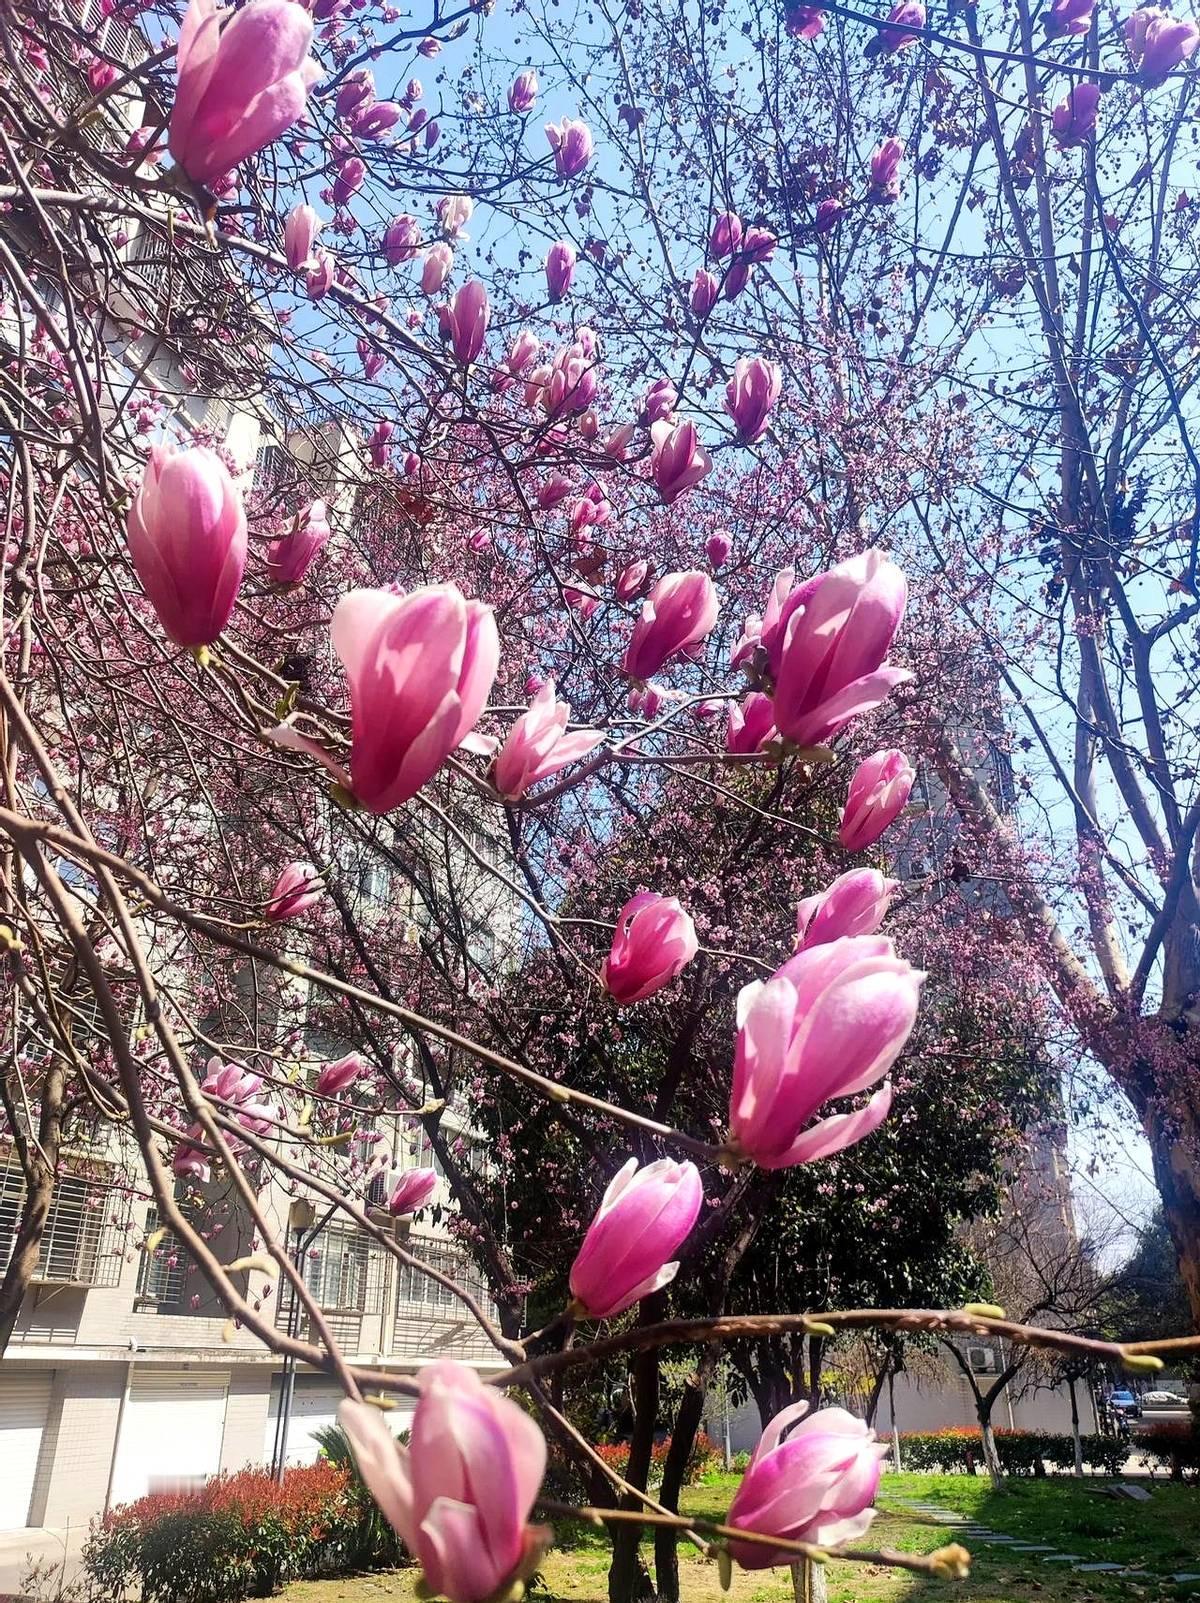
[855, 904]
[676, 618]
[409, 1189]
[677, 459]
[571, 142]
[832, 647]
[186, 529]
[1073, 120]
[904, 16]
[435, 267]
[460, 1494]
[420, 667]
[538, 745]
[885, 170]
[1158, 43]
[751, 394]
[1067, 19]
[291, 556]
[298, 888]
[240, 1093]
[718, 546]
[653, 942]
[829, 1023]
[340, 1075]
[879, 791]
[810, 1479]
[239, 86]
[454, 213]
[643, 1219]
[319, 279]
[401, 239]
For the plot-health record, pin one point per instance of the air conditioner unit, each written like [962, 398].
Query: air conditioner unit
[982, 1360]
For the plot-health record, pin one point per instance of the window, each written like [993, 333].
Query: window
[77, 1243]
[336, 1268]
[162, 1272]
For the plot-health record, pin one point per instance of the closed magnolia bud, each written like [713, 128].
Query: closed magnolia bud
[677, 459]
[571, 142]
[643, 1220]
[290, 557]
[676, 617]
[653, 942]
[239, 86]
[467, 321]
[522, 93]
[560, 270]
[401, 240]
[704, 292]
[751, 394]
[348, 180]
[855, 904]
[810, 1479]
[885, 170]
[409, 1189]
[435, 268]
[1073, 120]
[299, 236]
[718, 546]
[297, 889]
[454, 213]
[339, 1076]
[187, 536]
[726, 235]
[829, 1023]
[878, 794]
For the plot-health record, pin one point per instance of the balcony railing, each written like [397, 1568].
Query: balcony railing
[83, 1239]
[430, 1321]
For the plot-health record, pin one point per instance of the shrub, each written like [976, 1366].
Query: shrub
[1175, 1444]
[704, 1457]
[1021, 1452]
[238, 1536]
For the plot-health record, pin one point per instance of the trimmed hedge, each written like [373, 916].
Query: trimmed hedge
[1021, 1452]
[704, 1457]
[238, 1536]
[1173, 1443]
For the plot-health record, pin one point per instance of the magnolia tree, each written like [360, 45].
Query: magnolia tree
[611, 386]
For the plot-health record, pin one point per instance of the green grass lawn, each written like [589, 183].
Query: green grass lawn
[1162, 1535]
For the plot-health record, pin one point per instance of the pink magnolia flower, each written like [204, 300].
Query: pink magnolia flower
[832, 646]
[100, 75]
[1067, 19]
[238, 87]
[233, 1085]
[643, 1218]
[758, 244]
[879, 791]
[677, 616]
[291, 556]
[855, 904]
[804, 22]
[726, 234]
[556, 489]
[618, 442]
[829, 1023]
[373, 121]
[401, 239]
[813, 1483]
[704, 292]
[420, 667]
[468, 316]
[186, 529]
[435, 267]
[410, 1189]
[560, 270]
[904, 16]
[1158, 43]
[885, 170]
[654, 941]
[522, 93]
[751, 725]
[677, 459]
[718, 546]
[297, 889]
[632, 580]
[356, 92]
[454, 213]
[1073, 120]
[340, 1075]
[459, 1495]
[571, 142]
[348, 180]
[299, 236]
[319, 279]
[429, 48]
[538, 745]
[187, 1163]
[379, 443]
[522, 352]
[659, 401]
[751, 394]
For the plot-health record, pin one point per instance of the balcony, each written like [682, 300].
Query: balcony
[430, 1322]
[84, 1239]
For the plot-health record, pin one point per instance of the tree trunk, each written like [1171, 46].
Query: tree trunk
[991, 1454]
[1075, 1437]
[683, 1436]
[627, 1578]
[39, 1161]
[1174, 1136]
[809, 1581]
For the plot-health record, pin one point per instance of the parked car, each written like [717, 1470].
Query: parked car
[1125, 1404]
[1163, 1399]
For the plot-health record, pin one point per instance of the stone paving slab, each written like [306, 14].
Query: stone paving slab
[1096, 1569]
[1065, 1558]
[1185, 1576]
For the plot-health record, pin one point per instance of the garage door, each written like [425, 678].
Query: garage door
[312, 1408]
[171, 1432]
[24, 1404]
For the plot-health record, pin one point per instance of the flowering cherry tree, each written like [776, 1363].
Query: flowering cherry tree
[448, 475]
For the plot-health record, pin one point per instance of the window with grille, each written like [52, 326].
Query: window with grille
[162, 1273]
[415, 1289]
[79, 1245]
[337, 1269]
